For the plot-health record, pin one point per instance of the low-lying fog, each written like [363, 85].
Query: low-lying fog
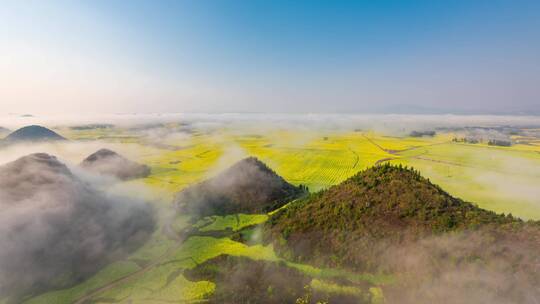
[378, 122]
[30, 206]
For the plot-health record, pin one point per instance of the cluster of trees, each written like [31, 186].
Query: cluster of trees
[468, 140]
[422, 133]
[499, 142]
[491, 142]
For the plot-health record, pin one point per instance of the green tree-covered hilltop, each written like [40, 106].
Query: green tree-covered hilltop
[390, 219]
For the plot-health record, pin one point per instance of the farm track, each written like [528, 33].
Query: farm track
[418, 147]
[441, 161]
[403, 150]
[357, 157]
[421, 157]
[181, 237]
[449, 163]
[376, 144]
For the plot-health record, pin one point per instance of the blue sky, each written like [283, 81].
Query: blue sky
[268, 56]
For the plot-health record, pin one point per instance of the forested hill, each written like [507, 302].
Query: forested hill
[249, 186]
[355, 223]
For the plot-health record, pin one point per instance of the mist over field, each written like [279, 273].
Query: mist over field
[254, 151]
[160, 130]
[399, 123]
[58, 229]
[67, 224]
[447, 277]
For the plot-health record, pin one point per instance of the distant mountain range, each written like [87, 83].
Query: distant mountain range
[416, 109]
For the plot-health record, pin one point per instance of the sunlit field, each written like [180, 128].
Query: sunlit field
[496, 178]
[269, 152]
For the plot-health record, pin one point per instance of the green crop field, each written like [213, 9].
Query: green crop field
[234, 222]
[502, 179]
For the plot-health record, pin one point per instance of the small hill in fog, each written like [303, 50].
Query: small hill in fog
[108, 162]
[57, 230]
[249, 186]
[33, 134]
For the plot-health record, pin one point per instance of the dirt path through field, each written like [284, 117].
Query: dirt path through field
[356, 157]
[403, 150]
[376, 144]
[166, 230]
